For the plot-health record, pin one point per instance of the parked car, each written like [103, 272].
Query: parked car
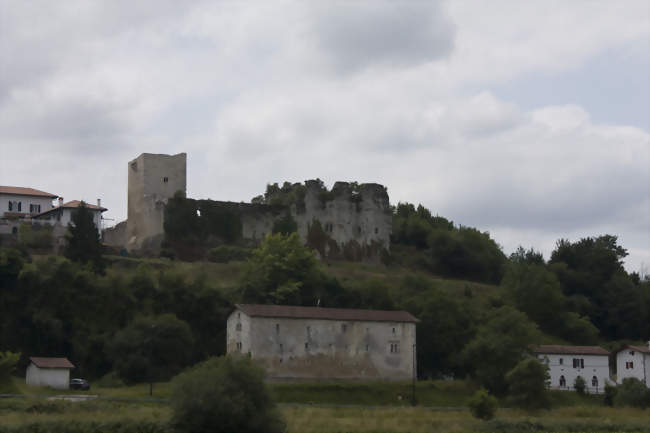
[79, 384]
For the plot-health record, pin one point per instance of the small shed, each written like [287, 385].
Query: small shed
[52, 372]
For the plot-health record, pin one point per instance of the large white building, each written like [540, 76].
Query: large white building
[62, 214]
[566, 363]
[50, 372]
[18, 202]
[325, 343]
[633, 361]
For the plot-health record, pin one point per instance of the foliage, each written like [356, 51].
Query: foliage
[632, 392]
[36, 236]
[285, 225]
[224, 395]
[8, 361]
[500, 343]
[287, 195]
[283, 271]
[83, 242]
[461, 252]
[227, 253]
[580, 385]
[151, 349]
[527, 384]
[527, 257]
[610, 394]
[483, 405]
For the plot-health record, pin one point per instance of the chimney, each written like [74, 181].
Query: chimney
[99, 202]
[60, 201]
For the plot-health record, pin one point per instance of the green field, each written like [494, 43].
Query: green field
[320, 407]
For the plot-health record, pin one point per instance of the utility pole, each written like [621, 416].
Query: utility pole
[413, 402]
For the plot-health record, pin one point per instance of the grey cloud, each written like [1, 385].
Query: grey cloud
[355, 35]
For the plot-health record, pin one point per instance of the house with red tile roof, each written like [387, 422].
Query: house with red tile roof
[50, 372]
[566, 363]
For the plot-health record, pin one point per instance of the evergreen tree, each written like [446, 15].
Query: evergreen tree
[83, 241]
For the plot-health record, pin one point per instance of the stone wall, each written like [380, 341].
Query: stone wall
[324, 349]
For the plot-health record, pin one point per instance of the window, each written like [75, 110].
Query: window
[562, 382]
[19, 206]
[165, 179]
[277, 328]
[394, 347]
[376, 230]
[629, 365]
[34, 208]
[393, 330]
[561, 361]
[594, 382]
[11, 206]
[281, 348]
[306, 346]
[14, 230]
[239, 346]
[238, 327]
[344, 327]
[578, 363]
[359, 229]
[367, 347]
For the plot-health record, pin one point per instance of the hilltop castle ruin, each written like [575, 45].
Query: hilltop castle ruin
[351, 220]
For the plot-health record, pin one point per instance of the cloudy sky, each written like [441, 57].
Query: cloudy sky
[530, 120]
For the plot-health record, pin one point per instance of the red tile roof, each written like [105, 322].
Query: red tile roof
[51, 362]
[19, 190]
[72, 205]
[347, 314]
[570, 350]
[642, 349]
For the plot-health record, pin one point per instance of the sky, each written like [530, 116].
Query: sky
[529, 120]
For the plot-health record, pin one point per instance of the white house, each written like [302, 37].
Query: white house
[633, 361]
[18, 203]
[62, 214]
[52, 372]
[325, 343]
[566, 363]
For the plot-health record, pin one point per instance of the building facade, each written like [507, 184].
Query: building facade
[325, 343]
[633, 361]
[566, 363]
[50, 372]
[62, 214]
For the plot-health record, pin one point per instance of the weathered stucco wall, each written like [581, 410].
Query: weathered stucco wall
[325, 349]
[153, 179]
[58, 378]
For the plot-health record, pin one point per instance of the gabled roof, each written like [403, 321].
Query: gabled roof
[51, 362]
[19, 190]
[642, 349]
[569, 350]
[72, 205]
[346, 314]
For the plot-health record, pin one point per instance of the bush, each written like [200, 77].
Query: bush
[225, 394]
[610, 394]
[483, 405]
[632, 392]
[8, 361]
[580, 385]
[527, 385]
[227, 253]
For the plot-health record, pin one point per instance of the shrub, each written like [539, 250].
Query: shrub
[610, 394]
[527, 385]
[227, 253]
[632, 392]
[483, 405]
[580, 385]
[8, 361]
[225, 394]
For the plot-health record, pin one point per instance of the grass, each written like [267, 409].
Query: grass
[17, 413]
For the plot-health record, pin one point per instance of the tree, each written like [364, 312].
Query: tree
[500, 343]
[580, 385]
[527, 257]
[224, 394]
[283, 271]
[83, 241]
[8, 361]
[527, 384]
[483, 405]
[151, 349]
[632, 392]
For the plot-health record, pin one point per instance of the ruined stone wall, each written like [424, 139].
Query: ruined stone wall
[115, 236]
[324, 349]
[153, 179]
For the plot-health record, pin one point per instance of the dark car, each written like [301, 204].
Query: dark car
[79, 384]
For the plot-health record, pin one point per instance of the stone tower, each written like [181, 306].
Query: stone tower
[153, 179]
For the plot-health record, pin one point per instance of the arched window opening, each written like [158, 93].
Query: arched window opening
[562, 382]
[594, 382]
